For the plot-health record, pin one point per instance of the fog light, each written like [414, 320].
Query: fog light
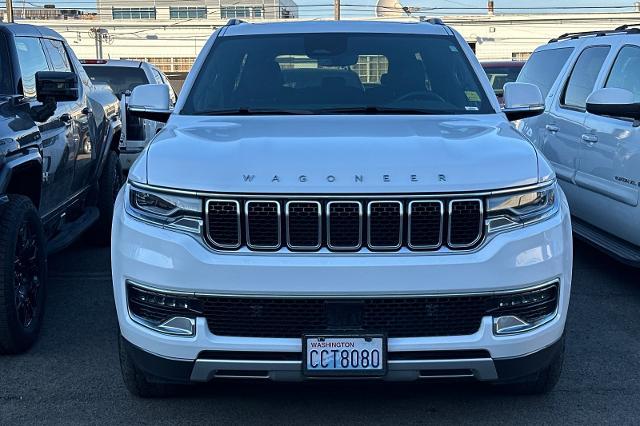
[523, 311]
[165, 312]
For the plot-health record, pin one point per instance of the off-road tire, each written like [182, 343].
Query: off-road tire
[20, 292]
[108, 186]
[135, 380]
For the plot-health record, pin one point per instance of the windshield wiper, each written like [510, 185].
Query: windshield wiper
[254, 111]
[378, 110]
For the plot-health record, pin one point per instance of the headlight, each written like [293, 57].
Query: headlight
[168, 210]
[522, 208]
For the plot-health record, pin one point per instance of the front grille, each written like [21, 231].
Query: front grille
[281, 317]
[394, 316]
[344, 225]
[397, 317]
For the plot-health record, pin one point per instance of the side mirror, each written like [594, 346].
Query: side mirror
[150, 101]
[522, 100]
[613, 102]
[57, 86]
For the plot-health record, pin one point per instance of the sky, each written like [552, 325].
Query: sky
[321, 8]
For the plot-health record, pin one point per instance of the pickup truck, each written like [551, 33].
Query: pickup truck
[122, 76]
[59, 169]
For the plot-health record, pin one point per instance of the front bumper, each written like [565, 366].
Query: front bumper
[169, 260]
[447, 365]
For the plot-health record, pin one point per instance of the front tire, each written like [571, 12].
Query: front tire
[23, 272]
[108, 186]
[135, 380]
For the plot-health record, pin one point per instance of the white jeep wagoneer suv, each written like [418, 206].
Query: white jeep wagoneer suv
[340, 199]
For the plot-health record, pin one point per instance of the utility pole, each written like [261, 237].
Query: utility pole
[98, 35]
[10, 11]
[336, 9]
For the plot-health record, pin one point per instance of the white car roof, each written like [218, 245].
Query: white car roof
[298, 27]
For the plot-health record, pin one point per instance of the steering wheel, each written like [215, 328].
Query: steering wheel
[420, 95]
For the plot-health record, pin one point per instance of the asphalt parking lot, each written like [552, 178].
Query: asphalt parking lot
[72, 375]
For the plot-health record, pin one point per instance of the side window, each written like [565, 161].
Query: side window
[624, 74]
[584, 76]
[543, 68]
[57, 54]
[31, 59]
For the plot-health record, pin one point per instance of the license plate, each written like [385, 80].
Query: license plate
[344, 355]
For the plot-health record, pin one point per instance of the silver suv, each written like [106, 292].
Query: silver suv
[590, 131]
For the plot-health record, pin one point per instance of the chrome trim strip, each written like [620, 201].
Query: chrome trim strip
[440, 240]
[400, 217]
[286, 212]
[208, 231]
[341, 196]
[246, 219]
[554, 281]
[328, 214]
[205, 370]
[480, 224]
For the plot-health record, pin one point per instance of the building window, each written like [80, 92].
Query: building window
[228, 12]
[133, 13]
[520, 56]
[168, 65]
[188, 12]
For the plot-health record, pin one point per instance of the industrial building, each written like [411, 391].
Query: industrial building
[171, 37]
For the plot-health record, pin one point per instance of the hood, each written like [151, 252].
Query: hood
[338, 154]
[17, 128]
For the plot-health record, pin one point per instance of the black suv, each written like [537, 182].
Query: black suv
[59, 169]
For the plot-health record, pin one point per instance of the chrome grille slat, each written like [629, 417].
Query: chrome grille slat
[465, 222]
[384, 225]
[341, 224]
[304, 225]
[223, 223]
[426, 224]
[344, 225]
[262, 219]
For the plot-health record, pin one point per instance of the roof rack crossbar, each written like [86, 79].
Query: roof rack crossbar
[598, 33]
[235, 21]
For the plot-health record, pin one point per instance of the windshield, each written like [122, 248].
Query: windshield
[6, 76]
[120, 79]
[499, 76]
[336, 73]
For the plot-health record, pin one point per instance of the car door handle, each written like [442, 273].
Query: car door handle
[66, 118]
[589, 138]
[552, 128]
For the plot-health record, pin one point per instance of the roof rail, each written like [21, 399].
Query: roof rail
[628, 29]
[433, 21]
[235, 21]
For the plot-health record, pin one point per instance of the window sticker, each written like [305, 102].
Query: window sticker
[472, 96]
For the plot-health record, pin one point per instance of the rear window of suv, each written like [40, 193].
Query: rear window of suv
[337, 73]
[120, 79]
[543, 68]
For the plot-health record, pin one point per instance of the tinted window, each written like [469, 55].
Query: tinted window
[584, 75]
[321, 73]
[6, 74]
[31, 58]
[543, 68]
[625, 73]
[58, 55]
[120, 79]
[499, 76]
